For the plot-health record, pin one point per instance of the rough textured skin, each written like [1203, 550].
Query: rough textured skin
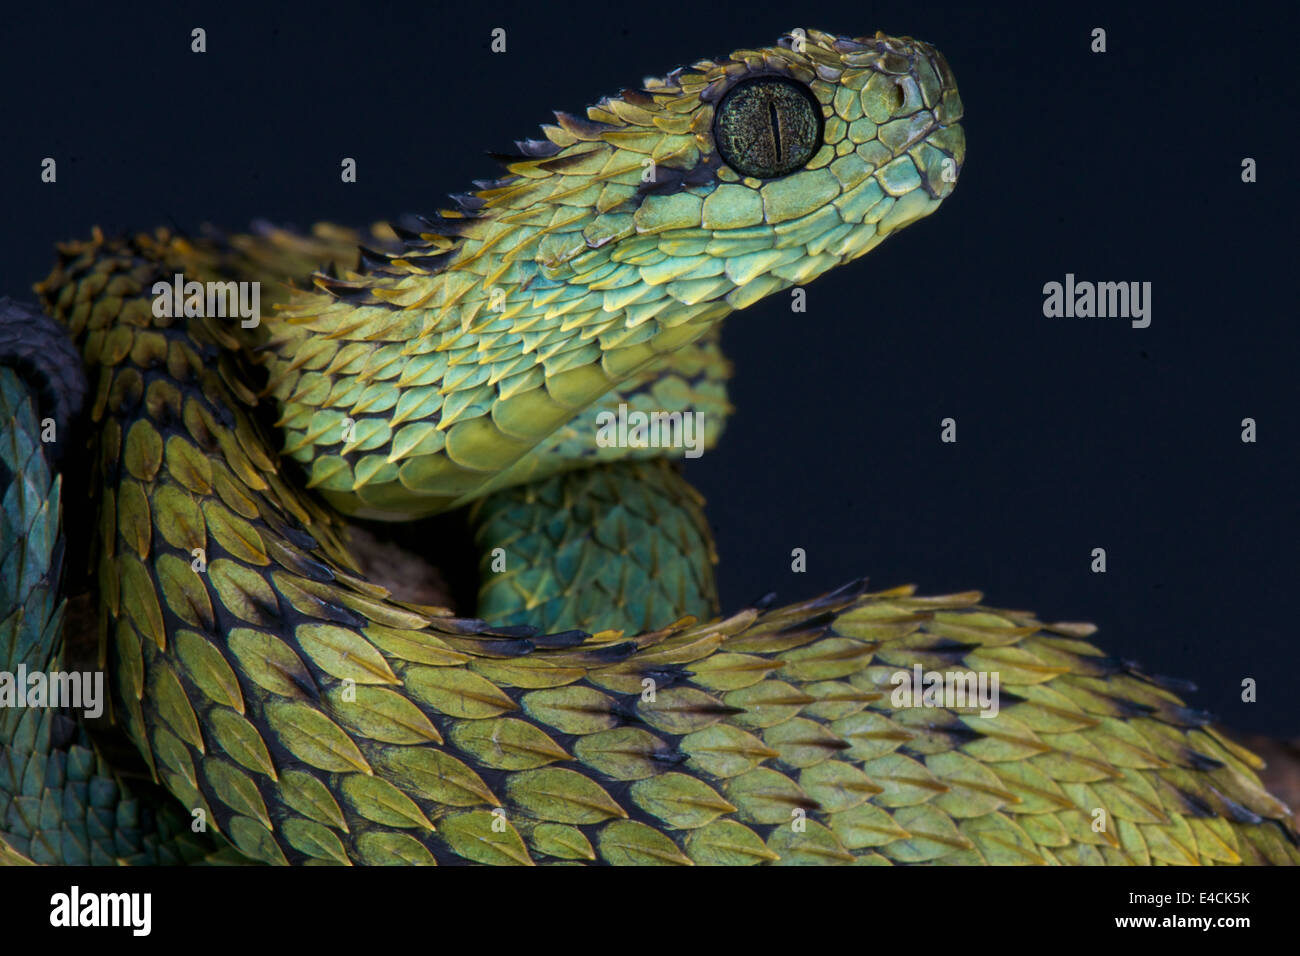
[551, 541]
[313, 719]
[59, 800]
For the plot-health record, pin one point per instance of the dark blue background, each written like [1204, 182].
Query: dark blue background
[1074, 433]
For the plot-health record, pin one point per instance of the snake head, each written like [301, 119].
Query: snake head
[817, 148]
[775, 164]
[473, 357]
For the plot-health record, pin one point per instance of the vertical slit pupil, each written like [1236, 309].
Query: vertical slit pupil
[767, 127]
[775, 118]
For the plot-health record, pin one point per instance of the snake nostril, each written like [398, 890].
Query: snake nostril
[895, 98]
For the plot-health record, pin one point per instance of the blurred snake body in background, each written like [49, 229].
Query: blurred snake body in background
[597, 707]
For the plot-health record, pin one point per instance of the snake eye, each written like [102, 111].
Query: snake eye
[767, 127]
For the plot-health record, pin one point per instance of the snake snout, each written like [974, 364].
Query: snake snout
[926, 111]
[947, 110]
[897, 105]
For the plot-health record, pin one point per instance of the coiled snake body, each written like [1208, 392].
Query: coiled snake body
[597, 708]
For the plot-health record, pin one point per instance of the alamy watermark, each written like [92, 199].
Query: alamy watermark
[214, 299]
[951, 689]
[651, 430]
[75, 908]
[74, 690]
[1086, 300]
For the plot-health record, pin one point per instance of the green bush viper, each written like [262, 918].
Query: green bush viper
[597, 707]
